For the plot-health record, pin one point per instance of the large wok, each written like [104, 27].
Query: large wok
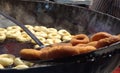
[75, 20]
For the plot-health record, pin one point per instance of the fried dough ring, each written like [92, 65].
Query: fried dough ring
[52, 30]
[93, 43]
[79, 39]
[40, 28]
[3, 30]
[2, 37]
[107, 41]
[13, 28]
[56, 51]
[100, 35]
[61, 51]
[64, 32]
[41, 34]
[30, 54]
[53, 36]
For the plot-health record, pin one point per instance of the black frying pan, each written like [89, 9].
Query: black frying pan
[75, 20]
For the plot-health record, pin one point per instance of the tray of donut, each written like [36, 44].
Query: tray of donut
[77, 39]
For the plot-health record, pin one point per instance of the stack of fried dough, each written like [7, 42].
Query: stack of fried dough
[79, 44]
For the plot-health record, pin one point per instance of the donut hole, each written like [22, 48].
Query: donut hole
[80, 38]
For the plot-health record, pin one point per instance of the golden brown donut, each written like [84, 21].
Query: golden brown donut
[100, 35]
[62, 51]
[44, 53]
[30, 54]
[79, 39]
[107, 41]
[93, 43]
[85, 49]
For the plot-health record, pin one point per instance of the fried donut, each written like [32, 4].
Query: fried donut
[60, 52]
[13, 28]
[100, 35]
[49, 41]
[41, 34]
[2, 37]
[66, 38]
[1, 66]
[3, 30]
[30, 54]
[107, 41]
[44, 53]
[93, 43]
[13, 33]
[85, 49]
[29, 26]
[39, 38]
[52, 30]
[18, 61]
[6, 61]
[54, 36]
[23, 38]
[40, 28]
[36, 46]
[56, 41]
[79, 39]
[20, 67]
[64, 32]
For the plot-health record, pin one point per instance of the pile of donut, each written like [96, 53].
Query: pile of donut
[10, 61]
[79, 44]
[46, 35]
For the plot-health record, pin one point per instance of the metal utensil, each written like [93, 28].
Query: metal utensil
[24, 28]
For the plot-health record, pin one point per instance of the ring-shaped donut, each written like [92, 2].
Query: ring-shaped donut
[79, 39]
[100, 35]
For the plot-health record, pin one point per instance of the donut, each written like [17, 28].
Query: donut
[56, 41]
[30, 54]
[40, 28]
[29, 26]
[18, 61]
[85, 49]
[39, 38]
[1, 66]
[3, 30]
[41, 34]
[44, 53]
[54, 36]
[66, 38]
[2, 37]
[10, 56]
[93, 43]
[49, 41]
[58, 52]
[55, 51]
[6, 62]
[20, 67]
[107, 41]
[13, 34]
[64, 32]
[23, 38]
[79, 39]
[100, 35]
[36, 46]
[79, 45]
[14, 28]
[52, 30]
